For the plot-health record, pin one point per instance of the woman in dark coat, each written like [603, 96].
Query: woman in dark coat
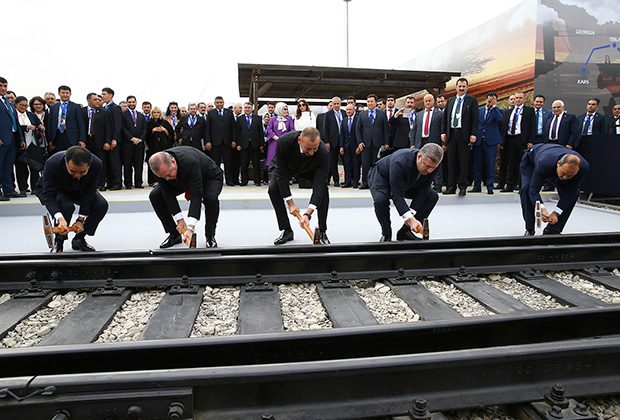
[159, 135]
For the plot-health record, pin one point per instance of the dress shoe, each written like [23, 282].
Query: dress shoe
[462, 192]
[355, 185]
[490, 191]
[364, 186]
[548, 231]
[258, 183]
[336, 183]
[172, 239]
[323, 239]
[4, 198]
[385, 238]
[58, 246]
[139, 186]
[286, 236]
[507, 189]
[405, 234]
[438, 190]
[243, 184]
[211, 243]
[115, 188]
[548, 188]
[346, 185]
[127, 187]
[80, 244]
[475, 190]
[15, 194]
[236, 182]
[529, 232]
[230, 184]
[102, 188]
[450, 191]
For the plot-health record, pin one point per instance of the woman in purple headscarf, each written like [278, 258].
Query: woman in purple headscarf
[279, 124]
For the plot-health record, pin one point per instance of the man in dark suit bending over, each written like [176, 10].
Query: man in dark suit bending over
[70, 177]
[565, 169]
[299, 154]
[190, 171]
[404, 174]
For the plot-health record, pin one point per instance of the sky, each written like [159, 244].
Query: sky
[188, 51]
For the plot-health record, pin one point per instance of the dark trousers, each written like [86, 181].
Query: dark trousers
[514, 153]
[528, 207]
[352, 162]
[211, 191]
[133, 164]
[114, 167]
[250, 154]
[101, 154]
[484, 161]
[228, 158]
[369, 157]
[458, 159]
[236, 165]
[61, 142]
[333, 164]
[381, 196]
[98, 210]
[7, 158]
[277, 201]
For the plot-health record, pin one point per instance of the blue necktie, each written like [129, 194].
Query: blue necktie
[586, 126]
[456, 114]
[350, 120]
[538, 125]
[220, 112]
[6, 102]
[62, 124]
[372, 117]
[249, 121]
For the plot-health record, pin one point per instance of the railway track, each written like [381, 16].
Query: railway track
[358, 368]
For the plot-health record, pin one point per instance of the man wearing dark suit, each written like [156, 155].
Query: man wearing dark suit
[372, 133]
[614, 121]
[133, 144]
[320, 121]
[11, 138]
[401, 125]
[404, 174]
[592, 123]
[542, 116]
[333, 122]
[114, 175]
[459, 128]
[98, 133]
[518, 130]
[190, 171]
[348, 148]
[299, 154]
[563, 128]
[427, 129]
[219, 138]
[70, 177]
[565, 169]
[390, 112]
[65, 126]
[485, 147]
[250, 139]
[191, 129]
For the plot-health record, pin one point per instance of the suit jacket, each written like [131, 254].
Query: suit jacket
[544, 158]
[599, 124]
[220, 128]
[194, 167]
[376, 134]
[528, 125]
[568, 130]
[6, 124]
[612, 125]
[399, 131]
[116, 121]
[130, 130]
[191, 136]
[100, 126]
[489, 126]
[253, 136]
[56, 178]
[399, 174]
[469, 117]
[320, 124]
[289, 161]
[34, 120]
[348, 139]
[331, 130]
[75, 129]
[434, 128]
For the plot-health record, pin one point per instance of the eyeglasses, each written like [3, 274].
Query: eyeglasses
[302, 104]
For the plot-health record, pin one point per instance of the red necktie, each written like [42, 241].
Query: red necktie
[133, 115]
[428, 117]
[390, 113]
[186, 191]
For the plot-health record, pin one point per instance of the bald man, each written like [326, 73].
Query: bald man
[563, 168]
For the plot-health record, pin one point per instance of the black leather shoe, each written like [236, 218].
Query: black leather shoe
[139, 186]
[336, 183]
[356, 185]
[258, 183]
[548, 188]
[15, 194]
[4, 198]
[507, 189]
[346, 185]
[243, 184]
[438, 190]
[449, 191]
[286, 236]
[58, 246]
[490, 191]
[102, 188]
[385, 239]
[364, 187]
[323, 239]
[115, 188]
[230, 184]
[462, 192]
[211, 243]
[548, 231]
[529, 232]
[80, 244]
[172, 239]
[475, 190]
[405, 234]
